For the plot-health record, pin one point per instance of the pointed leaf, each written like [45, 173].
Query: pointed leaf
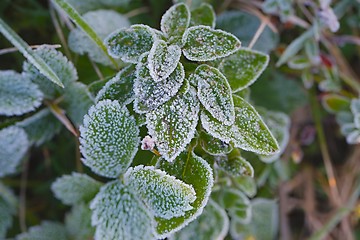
[334, 103]
[175, 21]
[163, 60]
[78, 222]
[128, 44]
[203, 15]
[109, 139]
[75, 188]
[173, 125]
[201, 43]
[47, 230]
[18, 95]
[119, 214]
[214, 146]
[243, 68]
[214, 93]
[196, 172]
[235, 166]
[165, 195]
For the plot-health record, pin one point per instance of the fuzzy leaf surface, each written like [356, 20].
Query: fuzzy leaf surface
[47, 230]
[203, 15]
[214, 146]
[236, 166]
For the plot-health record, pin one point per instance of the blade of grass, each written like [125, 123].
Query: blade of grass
[28, 53]
[76, 17]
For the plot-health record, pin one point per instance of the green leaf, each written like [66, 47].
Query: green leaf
[175, 21]
[118, 214]
[203, 15]
[196, 172]
[213, 223]
[299, 62]
[14, 144]
[83, 6]
[173, 125]
[47, 230]
[75, 188]
[120, 87]
[214, 146]
[335, 103]
[163, 60]
[249, 132]
[78, 223]
[165, 195]
[103, 22]
[243, 68]
[8, 208]
[109, 139]
[202, 43]
[29, 54]
[18, 95]
[128, 44]
[214, 93]
[150, 94]
[235, 166]
[246, 184]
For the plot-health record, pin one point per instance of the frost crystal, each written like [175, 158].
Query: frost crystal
[165, 195]
[109, 139]
[119, 214]
[214, 146]
[202, 43]
[150, 94]
[147, 143]
[18, 95]
[162, 60]
[173, 124]
[235, 167]
[47, 230]
[214, 93]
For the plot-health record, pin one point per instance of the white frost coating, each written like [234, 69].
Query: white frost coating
[202, 43]
[173, 125]
[150, 94]
[214, 93]
[14, 144]
[130, 43]
[355, 106]
[215, 128]
[203, 15]
[119, 214]
[243, 68]
[165, 195]
[18, 95]
[47, 230]
[75, 188]
[147, 143]
[109, 138]
[162, 60]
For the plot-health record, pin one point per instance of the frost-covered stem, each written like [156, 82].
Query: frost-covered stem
[22, 197]
[324, 148]
[14, 49]
[257, 34]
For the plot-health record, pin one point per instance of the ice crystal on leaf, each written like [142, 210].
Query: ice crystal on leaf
[214, 93]
[18, 95]
[119, 214]
[214, 146]
[203, 15]
[47, 230]
[165, 195]
[173, 124]
[235, 166]
[109, 139]
[202, 43]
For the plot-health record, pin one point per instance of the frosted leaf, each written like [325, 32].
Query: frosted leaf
[196, 172]
[47, 230]
[246, 184]
[63, 68]
[216, 128]
[214, 93]
[150, 94]
[118, 214]
[103, 22]
[202, 43]
[109, 139]
[40, 127]
[243, 68]
[235, 166]
[203, 15]
[355, 106]
[83, 6]
[353, 137]
[77, 101]
[129, 43]
[119, 87]
[75, 188]
[213, 223]
[173, 124]
[13, 146]
[8, 205]
[78, 223]
[18, 95]
[175, 21]
[214, 146]
[165, 195]
[163, 60]
[335, 103]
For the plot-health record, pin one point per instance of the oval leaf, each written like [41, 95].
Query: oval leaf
[47, 230]
[109, 139]
[203, 15]
[335, 103]
[214, 146]
[237, 166]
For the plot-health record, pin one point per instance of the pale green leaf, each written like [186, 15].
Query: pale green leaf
[203, 15]
[355, 106]
[118, 214]
[173, 125]
[8, 208]
[75, 188]
[246, 184]
[202, 43]
[109, 139]
[18, 95]
[47, 230]
[214, 146]
[29, 54]
[83, 6]
[335, 103]
[299, 62]
[243, 68]
[235, 166]
[78, 222]
[165, 195]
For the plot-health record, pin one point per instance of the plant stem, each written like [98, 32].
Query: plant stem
[257, 34]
